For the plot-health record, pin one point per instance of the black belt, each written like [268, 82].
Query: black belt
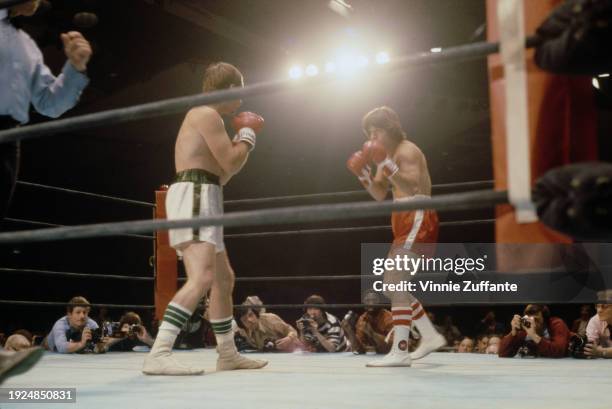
[7, 122]
[200, 176]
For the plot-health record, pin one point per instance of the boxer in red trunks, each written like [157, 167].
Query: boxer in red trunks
[402, 166]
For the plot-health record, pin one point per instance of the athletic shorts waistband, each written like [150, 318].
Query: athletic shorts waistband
[200, 176]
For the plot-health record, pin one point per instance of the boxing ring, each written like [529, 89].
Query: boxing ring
[341, 380]
[298, 380]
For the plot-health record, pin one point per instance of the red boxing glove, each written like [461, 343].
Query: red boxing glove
[247, 124]
[359, 166]
[375, 151]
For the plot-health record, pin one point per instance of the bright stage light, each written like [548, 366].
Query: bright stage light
[312, 70]
[605, 75]
[596, 83]
[436, 50]
[382, 58]
[295, 72]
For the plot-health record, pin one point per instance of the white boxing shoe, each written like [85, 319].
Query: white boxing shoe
[165, 364]
[393, 358]
[428, 345]
[237, 361]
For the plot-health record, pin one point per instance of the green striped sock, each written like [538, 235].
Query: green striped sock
[176, 315]
[221, 326]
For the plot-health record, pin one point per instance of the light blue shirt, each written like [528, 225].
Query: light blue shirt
[57, 341]
[25, 79]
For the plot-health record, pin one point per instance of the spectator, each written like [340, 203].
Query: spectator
[17, 342]
[265, 331]
[579, 325]
[598, 332]
[489, 325]
[466, 345]
[27, 334]
[319, 330]
[482, 342]
[372, 327]
[537, 333]
[493, 345]
[75, 331]
[132, 333]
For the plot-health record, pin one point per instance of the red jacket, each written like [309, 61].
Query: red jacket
[553, 347]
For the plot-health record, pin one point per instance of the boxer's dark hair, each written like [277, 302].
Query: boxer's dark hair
[384, 118]
[221, 75]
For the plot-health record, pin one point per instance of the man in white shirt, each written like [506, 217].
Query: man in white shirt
[598, 333]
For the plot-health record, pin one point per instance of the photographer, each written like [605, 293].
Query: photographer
[127, 334]
[536, 333]
[265, 331]
[319, 330]
[598, 333]
[75, 332]
[372, 327]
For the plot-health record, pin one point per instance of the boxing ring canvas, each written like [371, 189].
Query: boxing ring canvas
[307, 380]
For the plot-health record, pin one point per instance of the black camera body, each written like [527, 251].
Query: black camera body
[269, 345]
[134, 330]
[576, 346]
[111, 329]
[305, 321]
[307, 331]
[75, 335]
[525, 322]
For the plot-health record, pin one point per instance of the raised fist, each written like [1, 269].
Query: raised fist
[248, 120]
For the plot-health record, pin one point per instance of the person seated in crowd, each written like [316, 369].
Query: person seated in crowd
[75, 332]
[131, 333]
[372, 327]
[580, 324]
[535, 334]
[17, 342]
[482, 342]
[265, 331]
[466, 345]
[598, 333]
[319, 330]
[489, 325]
[493, 345]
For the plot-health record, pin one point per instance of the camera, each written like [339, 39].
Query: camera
[269, 345]
[305, 321]
[576, 346]
[75, 335]
[134, 330]
[242, 344]
[307, 331]
[525, 322]
[111, 329]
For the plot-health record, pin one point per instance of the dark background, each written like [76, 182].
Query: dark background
[146, 50]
